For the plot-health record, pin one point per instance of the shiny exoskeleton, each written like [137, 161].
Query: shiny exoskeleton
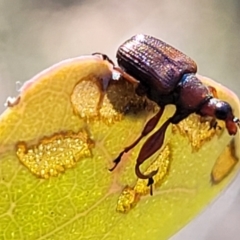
[167, 76]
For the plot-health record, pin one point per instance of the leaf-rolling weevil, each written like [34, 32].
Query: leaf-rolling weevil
[167, 76]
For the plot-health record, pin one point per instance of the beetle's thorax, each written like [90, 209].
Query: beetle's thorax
[191, 92]
[189, 95]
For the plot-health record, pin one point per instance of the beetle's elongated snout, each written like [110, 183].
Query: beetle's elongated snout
[232, 125]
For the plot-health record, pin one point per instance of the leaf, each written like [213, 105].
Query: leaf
[58, 140]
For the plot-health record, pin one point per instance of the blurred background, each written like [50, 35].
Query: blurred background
[37, 34]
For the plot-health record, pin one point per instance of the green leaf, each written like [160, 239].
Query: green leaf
[58, 140]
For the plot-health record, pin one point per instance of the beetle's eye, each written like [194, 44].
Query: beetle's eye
[222, 110]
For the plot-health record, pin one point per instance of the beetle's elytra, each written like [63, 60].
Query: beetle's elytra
[167, 76]
[154, 62]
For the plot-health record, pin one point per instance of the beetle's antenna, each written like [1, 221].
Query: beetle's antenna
[237, 121]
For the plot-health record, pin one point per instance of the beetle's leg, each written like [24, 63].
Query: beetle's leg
[151, 124]
[214, 124]
[104, 57]
[125, 75]
[152, 144]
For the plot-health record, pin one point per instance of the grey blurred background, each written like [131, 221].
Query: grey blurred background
[37, 34]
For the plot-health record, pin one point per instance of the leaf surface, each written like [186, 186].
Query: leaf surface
[58, 142]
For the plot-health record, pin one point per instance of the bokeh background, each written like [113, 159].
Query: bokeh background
[37, 34]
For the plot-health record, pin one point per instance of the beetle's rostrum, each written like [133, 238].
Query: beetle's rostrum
[167, 76]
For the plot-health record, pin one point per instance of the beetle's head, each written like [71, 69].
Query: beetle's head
[222, 111]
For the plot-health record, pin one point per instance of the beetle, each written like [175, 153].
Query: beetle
[167, 76]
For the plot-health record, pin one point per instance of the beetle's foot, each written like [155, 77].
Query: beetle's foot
[150, 181]
[116, 161]
[150, 184]
[214, 125]
[147, 176]
[104, 57]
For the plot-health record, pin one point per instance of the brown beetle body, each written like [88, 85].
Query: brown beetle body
[160, 68]
[167, 76]
[154, 62]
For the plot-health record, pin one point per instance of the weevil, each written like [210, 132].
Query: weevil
[167, 76]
